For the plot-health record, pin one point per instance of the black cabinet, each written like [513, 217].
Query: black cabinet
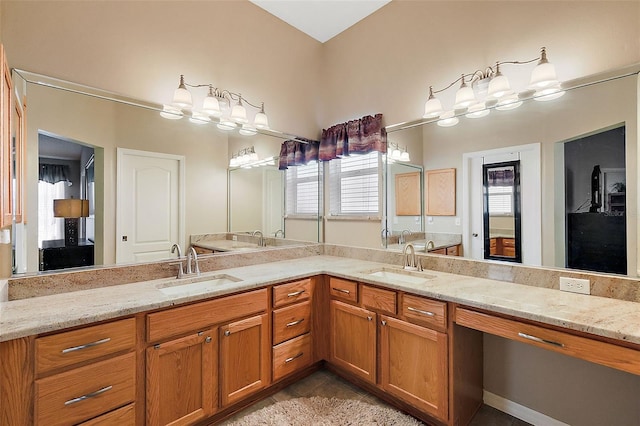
[55, 255]
[597, 242]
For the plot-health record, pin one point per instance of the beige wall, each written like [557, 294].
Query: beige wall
[140, 49]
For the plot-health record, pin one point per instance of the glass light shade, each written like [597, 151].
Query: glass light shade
[211, 106]
[233, 162]
[549, 93]
[239, 114]
[223, 103]
[247, 130]
[448, 119]
[498, 87]
[405, 156]
[199, 118]
[508, 103]
[395, 154]
[543, 75]
[171, 112]
[432, 108]
[226, 125]
[261, 121]
[182, 98]
[253, 156]
[464, 97]
[477, 111]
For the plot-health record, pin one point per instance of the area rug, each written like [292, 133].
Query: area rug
[326, 412]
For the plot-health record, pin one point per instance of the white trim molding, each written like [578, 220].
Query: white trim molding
[519, 411]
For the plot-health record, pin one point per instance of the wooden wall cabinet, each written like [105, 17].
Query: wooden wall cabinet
[441, 192]
[408, 200]
[6, 154]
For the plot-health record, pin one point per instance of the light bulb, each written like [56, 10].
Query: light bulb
[171, 112]
[433, 106]
[477, 111]
[448, 119]
[181, 96]
[239, 113]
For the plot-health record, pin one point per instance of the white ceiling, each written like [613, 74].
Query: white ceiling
[321, 19]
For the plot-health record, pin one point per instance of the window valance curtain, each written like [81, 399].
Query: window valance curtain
[54, 173]
[500, 177]
[297, 153]
[354, 137]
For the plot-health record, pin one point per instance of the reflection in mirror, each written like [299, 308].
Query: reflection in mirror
[591, 105]
[501, 184]
[109, 123]
[403, 204]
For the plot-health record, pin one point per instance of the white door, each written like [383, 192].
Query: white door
[150, 211]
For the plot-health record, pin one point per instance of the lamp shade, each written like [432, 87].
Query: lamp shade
[239, 113]
[432, 108]
[498, 87]
[211, 106]
[182, 98]
[70, 208]
[261, 121]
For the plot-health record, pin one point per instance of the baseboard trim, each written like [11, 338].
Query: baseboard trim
[519, 411]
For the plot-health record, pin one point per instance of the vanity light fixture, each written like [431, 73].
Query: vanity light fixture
[247, 158]
[216, 104]
[395, 153]
[493, 90]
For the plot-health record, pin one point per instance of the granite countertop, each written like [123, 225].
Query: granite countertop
[600, 316]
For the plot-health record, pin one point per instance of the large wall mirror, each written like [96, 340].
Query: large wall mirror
[558, 144]
[90, 140]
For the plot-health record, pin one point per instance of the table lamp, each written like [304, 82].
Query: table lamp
[71, 209]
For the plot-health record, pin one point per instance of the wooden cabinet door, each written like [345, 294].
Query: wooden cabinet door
[414, 365]
[245, 350]
[353, 340]
[181, 379]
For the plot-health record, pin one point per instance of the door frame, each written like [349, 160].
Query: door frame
[120, 153]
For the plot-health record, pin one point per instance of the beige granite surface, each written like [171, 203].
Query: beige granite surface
[607, 317]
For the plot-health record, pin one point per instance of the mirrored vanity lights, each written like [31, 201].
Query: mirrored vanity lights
[395, 153]
[216, 105]
[480, 91]
[247, 158]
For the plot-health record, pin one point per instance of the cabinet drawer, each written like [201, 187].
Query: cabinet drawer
[291, 321]
[296, 291]
[185, 319]
[125, 416]
[291, 356]
[71, 347]
[343, 289]
[620, 357]
[85, 392]
[379, 299]
[431, 313]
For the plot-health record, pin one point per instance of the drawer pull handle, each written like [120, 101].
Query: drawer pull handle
[539, 340]
[89, 395]
[420, 311]
[85, 346]
[288, 360]
[296, 293]
[291, 324]
[342, 290]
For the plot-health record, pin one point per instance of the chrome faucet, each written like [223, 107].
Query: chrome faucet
[409, 253]
[402, 238]
[176, 247]
[192, 255]
[279, 231]
[430, 245]
[260, 239]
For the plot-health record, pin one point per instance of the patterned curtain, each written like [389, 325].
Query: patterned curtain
[354, 137]
[54, 173]
[501, 176]
[297, 153]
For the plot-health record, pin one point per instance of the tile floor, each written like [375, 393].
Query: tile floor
[326, 384]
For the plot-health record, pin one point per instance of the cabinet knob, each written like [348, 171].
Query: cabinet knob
[383, 322]
[227, 333]
[369, 318]
[208, 339]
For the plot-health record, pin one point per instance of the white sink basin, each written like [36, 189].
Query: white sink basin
[197, 285]
[401, 275]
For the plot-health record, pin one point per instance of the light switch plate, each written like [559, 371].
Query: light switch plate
[575, 285]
